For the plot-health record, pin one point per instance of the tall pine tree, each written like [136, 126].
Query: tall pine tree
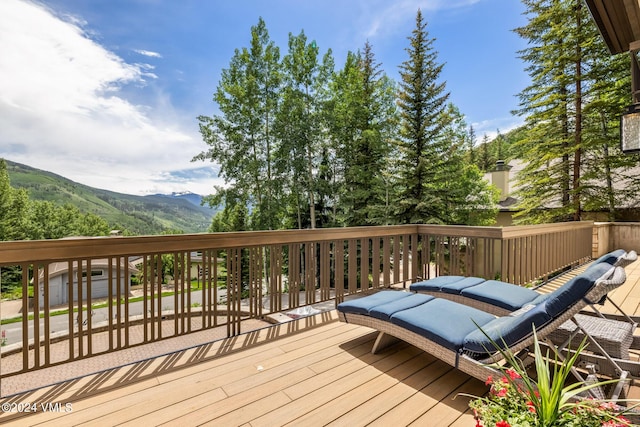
[609, 178]
[422, 100]
[568, 112]
[363, 123]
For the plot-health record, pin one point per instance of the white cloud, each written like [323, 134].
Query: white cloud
[148, 53]
[62, 108]
[388, 17]
[490, 127]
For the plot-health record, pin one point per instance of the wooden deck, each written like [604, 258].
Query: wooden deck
[314, 371]
[322, 374]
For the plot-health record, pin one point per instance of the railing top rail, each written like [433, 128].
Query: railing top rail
[503, 232]
[15, 252]
[532, 230]
[94, 247]
[461, 231]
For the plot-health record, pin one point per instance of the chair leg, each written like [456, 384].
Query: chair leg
[383, 341]
[621, 389]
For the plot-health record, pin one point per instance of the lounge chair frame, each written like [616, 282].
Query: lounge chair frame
[593, 325]
[481, 368]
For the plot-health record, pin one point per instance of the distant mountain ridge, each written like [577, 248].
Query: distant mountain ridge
[194, 199]
[152, 214]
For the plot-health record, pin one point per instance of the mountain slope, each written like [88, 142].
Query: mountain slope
[136, 214]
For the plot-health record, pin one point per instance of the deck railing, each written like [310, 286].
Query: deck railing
[175, 285]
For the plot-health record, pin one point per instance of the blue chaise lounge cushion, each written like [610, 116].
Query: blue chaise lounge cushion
[448, 284]
[385, 311]
[506, 330]
[506, 295]
[612, 258]
[363, 305]
[575, 289]
[442, 321]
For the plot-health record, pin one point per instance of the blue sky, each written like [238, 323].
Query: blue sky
[106, 92]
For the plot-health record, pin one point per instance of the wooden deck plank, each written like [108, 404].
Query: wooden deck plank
[274, 367]
[99, 405]
[451, 407]
[319, 375]
[377, 405]
[242, 375]
[630, 289]
[307, 396]
[261, 385]
[421, 403]
[360, 395]
[52, 418]
[241, 401]
[330, 376]
[346, 353]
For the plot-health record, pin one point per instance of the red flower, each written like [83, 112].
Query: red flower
[489, 380]
[531, 406]
[513, 374]
[503, 424]
[611, 406]
[502, 392]
[612, 423]
[619, 421]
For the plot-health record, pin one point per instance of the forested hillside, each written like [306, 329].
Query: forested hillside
[153, 214]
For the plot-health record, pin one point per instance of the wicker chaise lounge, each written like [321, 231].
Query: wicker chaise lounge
[498, 297]
[450, 331]
[501, 298]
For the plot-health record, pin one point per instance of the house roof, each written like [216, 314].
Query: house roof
[516, 166]
[59, 268]
[618, 22]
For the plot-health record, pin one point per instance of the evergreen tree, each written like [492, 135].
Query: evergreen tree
[561, 38]
[608, 180]
[499, 143]
[485, 159]
[326, 191]
[422, 100]
[232, 218]
[6, 193]
[344, 118]
[469, 199]
[14, 208]
[363, 121]
[472, 156]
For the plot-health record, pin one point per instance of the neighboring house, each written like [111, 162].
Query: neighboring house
[504, 177]
[197, 265]
[59, 280]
